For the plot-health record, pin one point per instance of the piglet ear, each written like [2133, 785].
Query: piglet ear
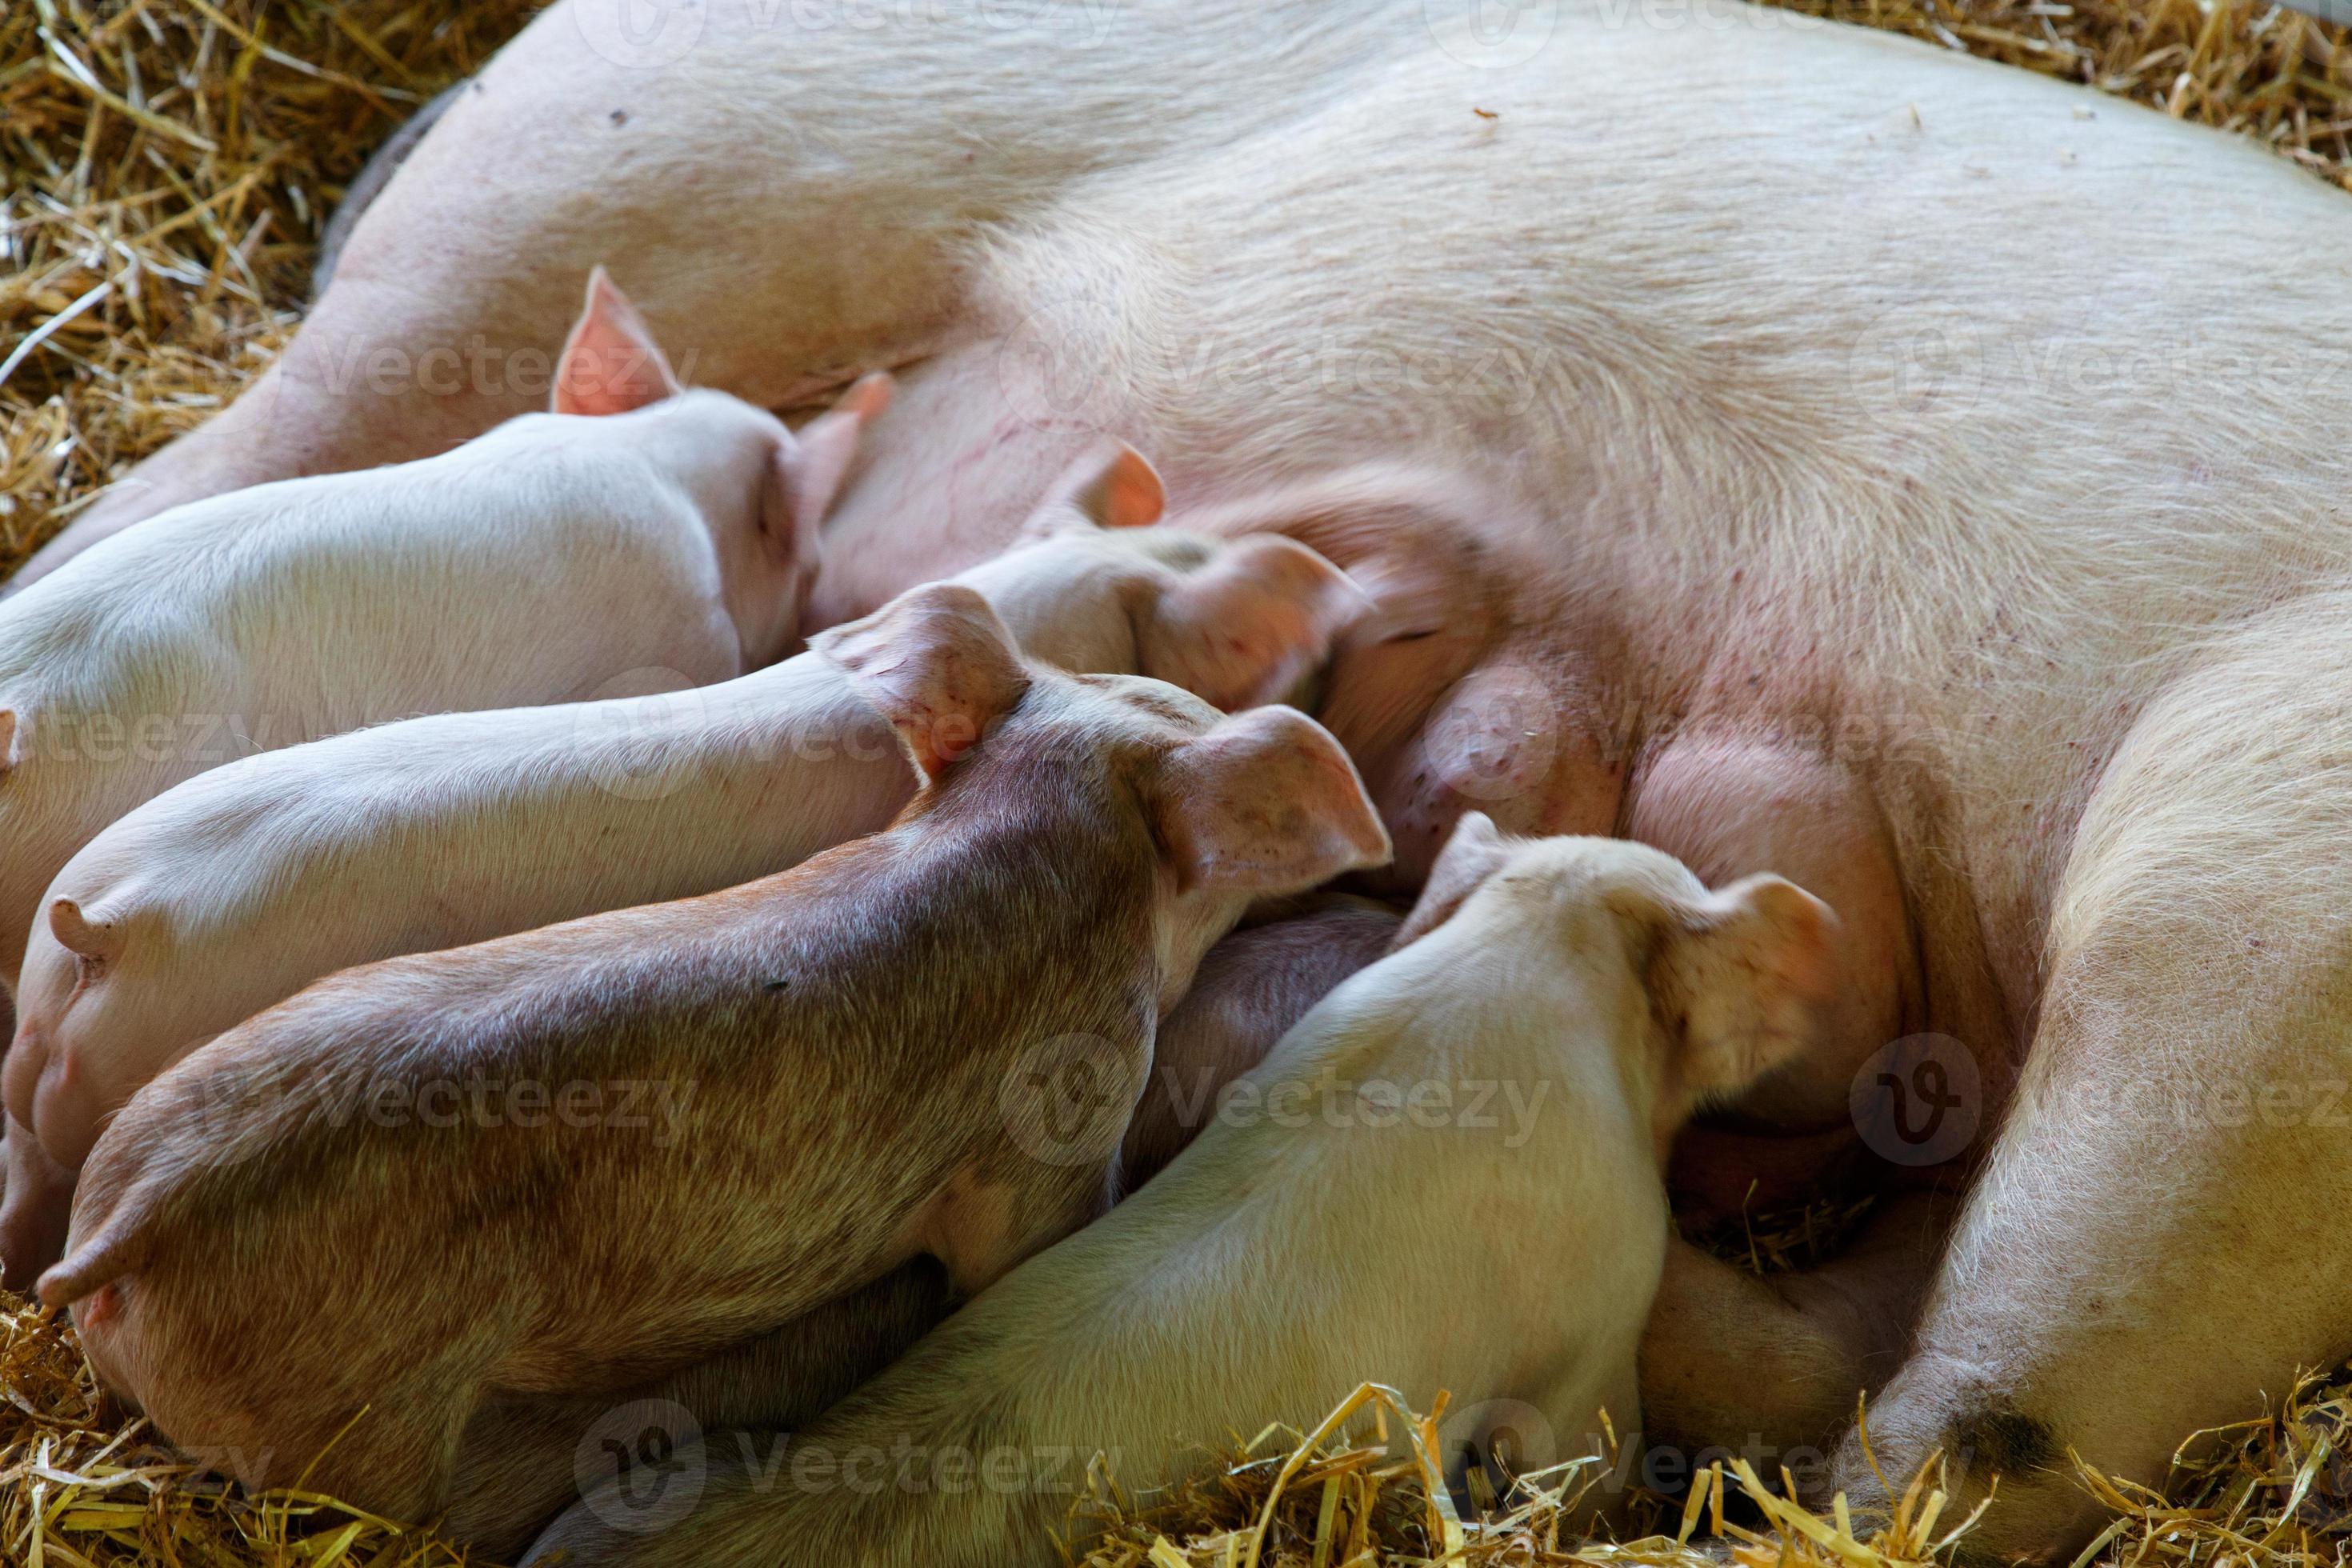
[1113, 486]
[1265, 801]
[1474, 852]
[1251, 625]
[611, 362]
[1737, 978]
[812, 465]
[939, 664]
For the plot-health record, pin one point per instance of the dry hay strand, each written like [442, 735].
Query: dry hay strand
[1777, 1241]
[1363, 1489]
[1345, 1496]
[2272, 1492]
[2276, 1490]
[165, 169]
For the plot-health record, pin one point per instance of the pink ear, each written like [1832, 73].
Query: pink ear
[1474, 852]
[1249, 625]
[1113, 486]
[611, 362]
[1265, 801]
[939, 664]
[1740, 973]
[817, 458]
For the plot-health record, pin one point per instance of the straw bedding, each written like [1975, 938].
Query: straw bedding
[165, 167]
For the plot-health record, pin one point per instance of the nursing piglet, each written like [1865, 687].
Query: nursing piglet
[1454, 1183]
[236, 889]
[590, 1156]
[559, 556]
[520, 1456]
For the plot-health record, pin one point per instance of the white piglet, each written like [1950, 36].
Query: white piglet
[640, 536]
[236, 889]
[556, 557]
[1445, 1176]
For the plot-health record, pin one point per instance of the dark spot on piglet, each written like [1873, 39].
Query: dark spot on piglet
[620, 117]
[777, 985]
[2005, 1440]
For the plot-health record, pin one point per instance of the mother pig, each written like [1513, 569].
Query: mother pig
[1814, 452]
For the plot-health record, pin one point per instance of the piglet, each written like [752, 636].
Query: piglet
[236, 889]
[1452, 1179]
[638, 535]
[585, 1157]
[528, 1459]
